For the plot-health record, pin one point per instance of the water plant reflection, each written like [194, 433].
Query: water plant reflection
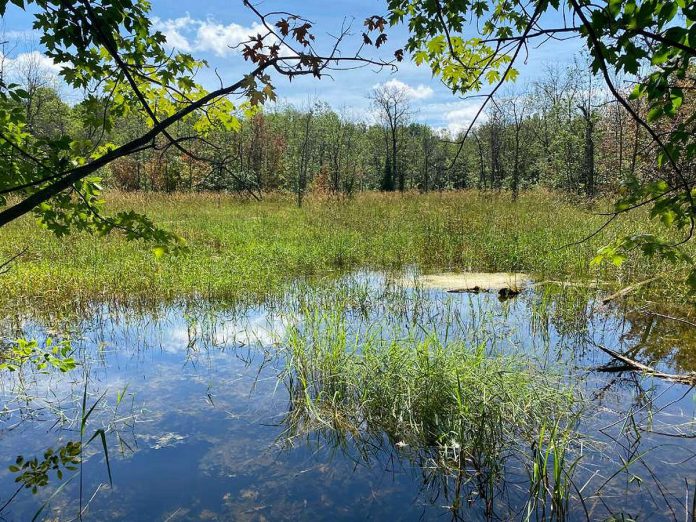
[462, 415]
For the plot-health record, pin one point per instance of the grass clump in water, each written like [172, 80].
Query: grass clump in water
[465, 416]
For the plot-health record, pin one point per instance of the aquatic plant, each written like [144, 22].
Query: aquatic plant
[458, 408]
[50, 354]
[34, 473]
[551, 470]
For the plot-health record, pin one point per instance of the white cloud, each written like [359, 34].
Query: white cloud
[173, 29]
[451, 117]
[461, 115]
[258, 330]
[31, 68]
[421, 92]
[36, 59]
[218, 38]
[28, 35]
[189, 34]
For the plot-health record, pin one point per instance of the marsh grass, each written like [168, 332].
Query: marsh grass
[551, 469]
[463, 414]
[250, 250]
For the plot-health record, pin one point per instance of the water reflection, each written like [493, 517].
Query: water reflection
[199, 426]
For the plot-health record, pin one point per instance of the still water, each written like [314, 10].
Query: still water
[193, 408]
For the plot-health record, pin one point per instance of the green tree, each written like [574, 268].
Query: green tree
[110, 48]
[387, 182]
[622, 37]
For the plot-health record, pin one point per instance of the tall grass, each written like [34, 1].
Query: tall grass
[460, 411]
[243, 248]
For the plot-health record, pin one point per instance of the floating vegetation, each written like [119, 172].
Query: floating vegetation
[477, 282]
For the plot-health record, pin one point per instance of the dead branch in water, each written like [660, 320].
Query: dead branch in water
[625, 291]
[633, 365]
[671, 318]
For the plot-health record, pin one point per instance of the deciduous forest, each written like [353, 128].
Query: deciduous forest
[564, 132]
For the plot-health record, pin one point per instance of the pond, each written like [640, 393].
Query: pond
[359, 398]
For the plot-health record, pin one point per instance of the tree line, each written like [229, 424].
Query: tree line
[561, 133]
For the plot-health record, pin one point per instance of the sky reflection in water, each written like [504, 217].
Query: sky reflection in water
[198, 435]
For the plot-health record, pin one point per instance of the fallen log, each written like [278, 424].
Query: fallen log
[625, 291]
[685, 378]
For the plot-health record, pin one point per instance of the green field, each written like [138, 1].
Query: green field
[244, 249]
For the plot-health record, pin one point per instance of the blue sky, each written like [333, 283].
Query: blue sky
[207, 27]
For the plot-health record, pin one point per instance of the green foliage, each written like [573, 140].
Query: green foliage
[66, 213]
[345, 156]
[670, 61]
[622, 37]
[52, 354]
[387, 183]
[34, 473]
[110, 49]
[672, 209]
[464, 64]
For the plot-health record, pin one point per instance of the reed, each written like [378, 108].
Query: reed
[467, 411]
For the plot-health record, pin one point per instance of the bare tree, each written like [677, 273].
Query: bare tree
[393, 111]
[515, 110]
[306, 121]
[496, 126]
[29, 69]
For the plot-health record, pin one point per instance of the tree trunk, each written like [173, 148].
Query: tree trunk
[589, 164]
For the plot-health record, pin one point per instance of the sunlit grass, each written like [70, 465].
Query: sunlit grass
[461, 412]
[251, 249]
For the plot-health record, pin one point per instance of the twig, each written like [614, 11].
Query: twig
[5, 267]
[686, 378]
[671, 318]
[590, 236]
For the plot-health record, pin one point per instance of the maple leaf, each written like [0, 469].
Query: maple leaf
[301, 33]
[284, 27]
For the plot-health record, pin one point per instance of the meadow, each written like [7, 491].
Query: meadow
[246, 249]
